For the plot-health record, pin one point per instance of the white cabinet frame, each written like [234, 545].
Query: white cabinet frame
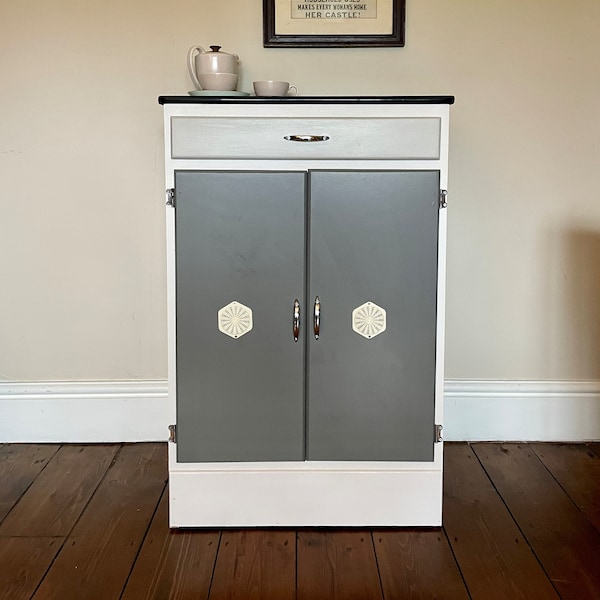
[307, 493]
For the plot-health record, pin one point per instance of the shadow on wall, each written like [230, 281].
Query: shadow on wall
[573, 311]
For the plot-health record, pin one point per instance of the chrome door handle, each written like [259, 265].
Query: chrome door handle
[296, 320]
[317, 318]
[306, 138]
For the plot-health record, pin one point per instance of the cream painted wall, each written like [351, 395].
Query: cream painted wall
[82, 192]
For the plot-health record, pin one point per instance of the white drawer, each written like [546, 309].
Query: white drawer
[332, 138]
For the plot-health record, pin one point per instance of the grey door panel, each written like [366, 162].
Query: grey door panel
[242, 236]
[239, 237]
[373, 238]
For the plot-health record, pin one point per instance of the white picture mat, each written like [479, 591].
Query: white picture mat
[331, 17]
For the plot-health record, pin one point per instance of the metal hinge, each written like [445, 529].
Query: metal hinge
[171, 197]
[443, 198]
[173, 433]
[437, 433]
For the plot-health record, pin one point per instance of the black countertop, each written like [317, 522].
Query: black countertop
[306, 100]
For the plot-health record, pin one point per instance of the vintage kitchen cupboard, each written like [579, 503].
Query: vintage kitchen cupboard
[306, 255]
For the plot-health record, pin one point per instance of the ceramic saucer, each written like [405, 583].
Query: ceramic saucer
[217, 93]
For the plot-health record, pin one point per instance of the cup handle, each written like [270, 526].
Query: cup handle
[295, 90]
[192, 66]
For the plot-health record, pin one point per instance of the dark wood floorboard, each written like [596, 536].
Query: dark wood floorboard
[576, 467]
[493, 555]
[254, 564]
[23, 563]
[560, 535]
[20, 464]
[338, 564]
[418, 564]
[97, 557]
[595, 447]
[91, 523]
[173, 563]
[59, 494]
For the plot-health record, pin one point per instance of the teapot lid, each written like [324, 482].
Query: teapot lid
[217, 50]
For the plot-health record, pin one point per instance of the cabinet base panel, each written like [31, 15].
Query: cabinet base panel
[296, 498]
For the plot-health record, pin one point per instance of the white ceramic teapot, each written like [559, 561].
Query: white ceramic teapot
[201, 62]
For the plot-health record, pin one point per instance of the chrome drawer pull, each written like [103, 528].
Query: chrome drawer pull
[306, 138]
[317, 318]
[296, 320]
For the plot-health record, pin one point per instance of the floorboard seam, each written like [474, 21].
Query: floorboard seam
[516, 522]
[68, 535]
[295, 566]
[139, 550]
[212, 575]
[377, 565]
[532, 446]
[457, 563]
[594, 447]
[30, 483]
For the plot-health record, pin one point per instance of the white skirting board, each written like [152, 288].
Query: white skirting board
[135, 411]
[83, 411]
[545, 411]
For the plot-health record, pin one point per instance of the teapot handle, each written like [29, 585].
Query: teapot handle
[192, 66]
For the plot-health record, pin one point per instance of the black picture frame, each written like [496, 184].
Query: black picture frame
[272, 38]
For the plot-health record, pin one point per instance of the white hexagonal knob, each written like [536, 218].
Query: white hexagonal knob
[369, 320]
[235, 319]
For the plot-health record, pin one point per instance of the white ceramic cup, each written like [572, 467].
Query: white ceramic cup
[274, 88]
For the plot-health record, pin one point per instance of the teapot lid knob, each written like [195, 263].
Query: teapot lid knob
[215, 48]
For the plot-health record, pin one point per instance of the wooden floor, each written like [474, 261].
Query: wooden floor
[82, 522]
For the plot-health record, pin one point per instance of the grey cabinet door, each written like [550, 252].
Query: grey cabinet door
[239, 239]
[373, 239]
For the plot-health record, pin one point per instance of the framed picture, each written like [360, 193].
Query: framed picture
[333, 23]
